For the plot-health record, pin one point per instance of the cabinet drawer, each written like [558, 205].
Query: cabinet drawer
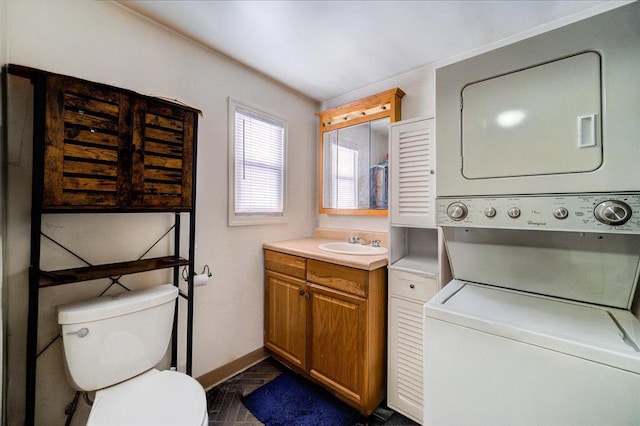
[412, 286]
[350, 280]
[285, 263]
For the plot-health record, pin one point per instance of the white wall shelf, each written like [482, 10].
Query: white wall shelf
[420, 265]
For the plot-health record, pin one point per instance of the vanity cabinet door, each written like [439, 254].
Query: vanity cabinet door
[338, 331]
[286, 317]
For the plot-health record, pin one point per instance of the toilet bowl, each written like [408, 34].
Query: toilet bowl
[153, 398]
[112, 345]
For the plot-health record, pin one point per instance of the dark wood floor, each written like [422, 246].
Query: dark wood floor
[226, 408]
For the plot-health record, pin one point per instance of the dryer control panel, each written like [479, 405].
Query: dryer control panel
[607, 213]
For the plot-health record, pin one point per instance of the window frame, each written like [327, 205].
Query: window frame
[257, 218]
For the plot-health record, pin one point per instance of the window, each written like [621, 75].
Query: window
[344, 185]
[257, 181]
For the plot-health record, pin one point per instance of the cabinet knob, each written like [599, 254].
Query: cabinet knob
[412, 286]
[301, 292]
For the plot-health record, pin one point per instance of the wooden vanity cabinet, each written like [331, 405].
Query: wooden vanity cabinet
[112, 149]
[344, 328]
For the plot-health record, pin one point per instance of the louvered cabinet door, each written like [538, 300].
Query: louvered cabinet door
[405, 388]
[412, 173]
[407, 295]
[86, 128]
[163, 139]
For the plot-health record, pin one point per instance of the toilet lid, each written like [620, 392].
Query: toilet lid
[153, 398]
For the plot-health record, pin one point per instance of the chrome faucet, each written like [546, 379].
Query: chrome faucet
[354, 239]
[375, 243]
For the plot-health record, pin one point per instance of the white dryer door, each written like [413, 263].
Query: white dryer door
[538, 121]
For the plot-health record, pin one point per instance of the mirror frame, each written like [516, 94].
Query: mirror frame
[381, 105]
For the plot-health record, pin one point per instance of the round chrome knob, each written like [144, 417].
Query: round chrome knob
[561, 213]
[514, 212]
[457, 211]
[612, 212]
[490, 212]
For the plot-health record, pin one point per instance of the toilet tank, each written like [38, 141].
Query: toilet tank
[110, 339]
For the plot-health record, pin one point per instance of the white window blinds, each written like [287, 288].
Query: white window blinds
[259, 164]
[344, 179]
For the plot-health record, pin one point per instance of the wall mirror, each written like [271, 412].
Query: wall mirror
[354, 155]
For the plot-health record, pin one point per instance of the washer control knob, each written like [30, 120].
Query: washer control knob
[561, 213]
[457, 211]
[612, 212]
[514, 212]
[490, 212]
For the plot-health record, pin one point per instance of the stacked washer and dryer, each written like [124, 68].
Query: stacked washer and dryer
[538, 195]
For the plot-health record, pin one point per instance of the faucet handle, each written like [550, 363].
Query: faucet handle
[375, 243]
[354, 239]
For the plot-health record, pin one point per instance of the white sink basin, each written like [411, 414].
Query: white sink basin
[348, 248]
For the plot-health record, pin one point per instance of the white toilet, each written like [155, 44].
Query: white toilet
[111, 346]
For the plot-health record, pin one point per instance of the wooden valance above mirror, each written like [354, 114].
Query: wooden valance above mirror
[353, 155]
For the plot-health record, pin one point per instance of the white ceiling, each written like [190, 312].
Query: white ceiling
[324, 49]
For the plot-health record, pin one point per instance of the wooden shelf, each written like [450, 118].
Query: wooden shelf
[87, 273]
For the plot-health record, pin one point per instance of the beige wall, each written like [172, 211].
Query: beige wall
[105, 42]
[3, 206]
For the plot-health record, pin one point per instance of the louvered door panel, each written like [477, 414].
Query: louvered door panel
[405, 387]
[85, 154]
[412, 173]
[162, 164]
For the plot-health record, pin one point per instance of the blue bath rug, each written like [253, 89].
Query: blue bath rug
[292, 400]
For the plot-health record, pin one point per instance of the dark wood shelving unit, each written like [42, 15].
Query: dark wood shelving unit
[88, 273]
[99, 149]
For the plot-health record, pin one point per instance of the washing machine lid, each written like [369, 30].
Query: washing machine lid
[153, 398]
[602, 334]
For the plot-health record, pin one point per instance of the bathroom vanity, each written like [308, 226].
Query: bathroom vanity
[325, 317]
